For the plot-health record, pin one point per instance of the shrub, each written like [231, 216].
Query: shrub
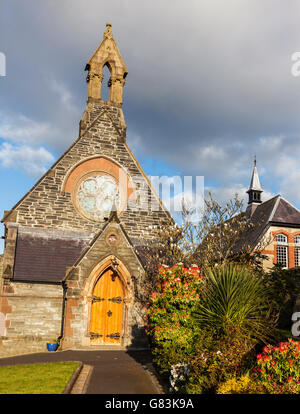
[167, 355]
[284, 286]
[242, 385]
[217, 362]
[235, 299]
[170, 325]
[278, 368]
[179, 376]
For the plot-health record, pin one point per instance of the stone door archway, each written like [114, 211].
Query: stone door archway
[117, 295]
[106, 322]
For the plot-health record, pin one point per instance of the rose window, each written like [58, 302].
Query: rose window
[96, 196]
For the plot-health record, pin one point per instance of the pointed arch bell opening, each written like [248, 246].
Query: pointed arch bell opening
[106, 55]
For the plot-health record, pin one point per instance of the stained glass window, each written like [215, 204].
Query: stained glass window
[96, 196]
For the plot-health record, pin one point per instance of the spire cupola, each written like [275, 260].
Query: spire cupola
[108, 55]
[255, 189]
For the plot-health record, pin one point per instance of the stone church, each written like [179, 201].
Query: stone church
[71, 265]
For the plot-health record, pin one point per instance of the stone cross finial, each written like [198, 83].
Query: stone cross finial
[108, 33]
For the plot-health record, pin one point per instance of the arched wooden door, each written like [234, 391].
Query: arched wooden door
[107, 309]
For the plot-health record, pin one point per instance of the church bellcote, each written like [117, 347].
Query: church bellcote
[108, 55]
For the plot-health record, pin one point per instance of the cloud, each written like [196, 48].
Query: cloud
[19, 128]
[65, 97]
[20, 148]
[224, 194]
[204, 93]
[30, 160]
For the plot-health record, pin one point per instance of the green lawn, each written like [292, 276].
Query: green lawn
[48, 378]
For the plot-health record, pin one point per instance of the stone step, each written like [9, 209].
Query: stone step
[108, 348]
[100, 348]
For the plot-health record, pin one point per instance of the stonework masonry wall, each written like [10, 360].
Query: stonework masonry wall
[47, 206]
[80, 283]
[32, 314]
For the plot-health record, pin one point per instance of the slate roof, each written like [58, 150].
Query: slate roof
[284, 212]
[276, 211]
[43, 257]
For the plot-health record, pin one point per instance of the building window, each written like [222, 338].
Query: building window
[282, 250]
[297, 256]
[282, 256]
[297, 240]
[297, 250]
[281, 239]
[96, 195]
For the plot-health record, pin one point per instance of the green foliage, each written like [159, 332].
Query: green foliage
[284, 285]
[241, 385]
[235, 300]
[57, 340]
[169, 354]
[210, 326]
[170, 325]
[216, 361]
[278, 368]
[277, 371]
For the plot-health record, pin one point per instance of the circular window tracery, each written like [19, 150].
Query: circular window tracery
[96, 195]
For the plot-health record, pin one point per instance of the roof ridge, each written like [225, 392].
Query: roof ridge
[290, 204]
[274, 207]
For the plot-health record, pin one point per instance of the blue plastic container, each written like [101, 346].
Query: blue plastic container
[52, 347]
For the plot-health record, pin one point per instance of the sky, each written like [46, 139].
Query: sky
[209, 86]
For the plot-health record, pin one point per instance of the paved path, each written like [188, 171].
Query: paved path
[113, 372]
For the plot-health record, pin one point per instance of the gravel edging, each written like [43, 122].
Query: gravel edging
[73, 379]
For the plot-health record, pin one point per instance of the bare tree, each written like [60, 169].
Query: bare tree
[219, 235]
[224, 233]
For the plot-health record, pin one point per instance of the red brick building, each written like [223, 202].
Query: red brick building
[276, 227]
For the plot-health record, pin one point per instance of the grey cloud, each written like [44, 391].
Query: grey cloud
[207, 79]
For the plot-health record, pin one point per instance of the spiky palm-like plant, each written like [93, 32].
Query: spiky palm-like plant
[235, 302]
